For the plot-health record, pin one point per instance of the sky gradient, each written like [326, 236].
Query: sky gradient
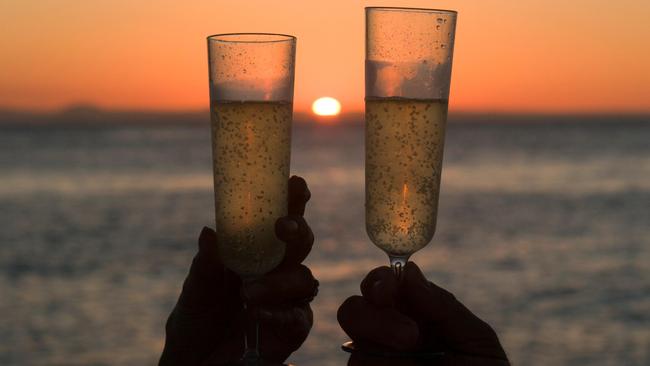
[511, 56]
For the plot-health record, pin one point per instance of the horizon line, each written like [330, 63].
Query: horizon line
[89, 108]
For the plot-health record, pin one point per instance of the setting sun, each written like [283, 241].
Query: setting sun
[326, 106]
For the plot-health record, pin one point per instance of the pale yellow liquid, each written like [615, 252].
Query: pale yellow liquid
[251, 146]
[404, 146]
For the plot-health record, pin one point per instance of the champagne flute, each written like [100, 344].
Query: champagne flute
[408, 71]
[251, 96]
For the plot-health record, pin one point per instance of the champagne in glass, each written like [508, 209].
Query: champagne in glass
[408, 71]
[251, 95]
[251, 143]
[405, 139]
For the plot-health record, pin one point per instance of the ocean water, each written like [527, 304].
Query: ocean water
[543, 231]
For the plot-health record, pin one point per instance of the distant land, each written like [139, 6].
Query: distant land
[90, 115]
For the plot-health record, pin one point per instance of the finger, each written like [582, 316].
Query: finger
[297, 235]
[293, 229]
[286, 228]
[299, 194]
[284, 316]
[207, 281]
[283, 330]
[364, 322]
[380, 287]
[455, 324]
[284, 285]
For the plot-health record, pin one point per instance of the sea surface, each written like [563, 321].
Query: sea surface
[543, 231]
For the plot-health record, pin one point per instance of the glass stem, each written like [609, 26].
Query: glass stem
[398, 262]
[251, 354]
[251, 336]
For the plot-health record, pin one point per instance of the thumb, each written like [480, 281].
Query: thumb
[208, 281]
[196, 324]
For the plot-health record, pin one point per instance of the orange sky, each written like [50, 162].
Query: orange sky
[511, 55]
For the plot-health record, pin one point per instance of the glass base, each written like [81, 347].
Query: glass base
[350, 347]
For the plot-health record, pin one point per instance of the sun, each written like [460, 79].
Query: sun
[326, 106]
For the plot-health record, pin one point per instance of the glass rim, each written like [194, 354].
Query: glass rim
[270, 37]
[415, 10]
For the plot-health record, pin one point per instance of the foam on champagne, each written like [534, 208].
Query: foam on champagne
[404, 146]
[251, 144]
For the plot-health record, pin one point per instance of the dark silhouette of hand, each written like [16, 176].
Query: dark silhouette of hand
[207, 324]
[412, 314]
